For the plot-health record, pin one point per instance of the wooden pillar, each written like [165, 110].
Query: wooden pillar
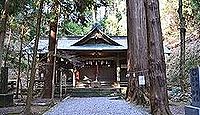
[61, 83]
[59, 73]
[73, 78]
[118, 70]
[118, 73]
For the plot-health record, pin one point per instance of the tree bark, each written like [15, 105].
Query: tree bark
[3, 29]
[52, 43]
[8, 47]
[137, 48]
[19, 65]
[182, 77]
[157, 67]
[33, 65]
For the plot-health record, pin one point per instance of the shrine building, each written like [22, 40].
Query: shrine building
[84, 59]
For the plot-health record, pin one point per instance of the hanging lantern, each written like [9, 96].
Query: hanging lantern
[90, 62]
[106, 62]
[86, 62]
[102, 62]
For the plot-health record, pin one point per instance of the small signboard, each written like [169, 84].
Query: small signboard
[194, 108]
[195, 86]
[141, 80]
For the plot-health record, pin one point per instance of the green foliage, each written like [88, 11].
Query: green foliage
[192, 60]
[191, 11]
[21, 15]
[77, 29]
[83, 5]
[171, 33]
[14, 6]
[169, 19]
[196, 9]
[115, 21]
[13, 59]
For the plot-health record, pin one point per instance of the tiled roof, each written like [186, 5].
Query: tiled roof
[68, 41]
[67, 44]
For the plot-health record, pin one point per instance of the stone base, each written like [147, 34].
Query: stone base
[192, 110]
[6, 100]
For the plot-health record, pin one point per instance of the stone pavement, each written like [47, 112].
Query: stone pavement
[95, 106]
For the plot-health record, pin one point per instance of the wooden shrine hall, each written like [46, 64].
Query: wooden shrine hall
[82, 60]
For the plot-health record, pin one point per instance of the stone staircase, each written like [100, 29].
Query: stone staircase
[94, 92]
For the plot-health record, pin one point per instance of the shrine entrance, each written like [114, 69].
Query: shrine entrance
[99, 70]
[102, 66]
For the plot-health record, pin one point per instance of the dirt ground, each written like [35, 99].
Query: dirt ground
[18, 110]
[39, 106]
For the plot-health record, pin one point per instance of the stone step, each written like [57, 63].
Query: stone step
[94, 92]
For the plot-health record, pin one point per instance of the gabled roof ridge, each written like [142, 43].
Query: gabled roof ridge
[85, 36]
[109, 39]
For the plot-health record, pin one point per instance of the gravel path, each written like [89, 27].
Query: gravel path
[178, 110]
[95, 106]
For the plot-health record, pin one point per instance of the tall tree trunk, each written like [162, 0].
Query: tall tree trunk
[157, 67]
[137, 48]
[33, 65]
[19, 66]
[3, 28]
[52, 43]
[182, 53]
[7, 48]
[28, 68]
